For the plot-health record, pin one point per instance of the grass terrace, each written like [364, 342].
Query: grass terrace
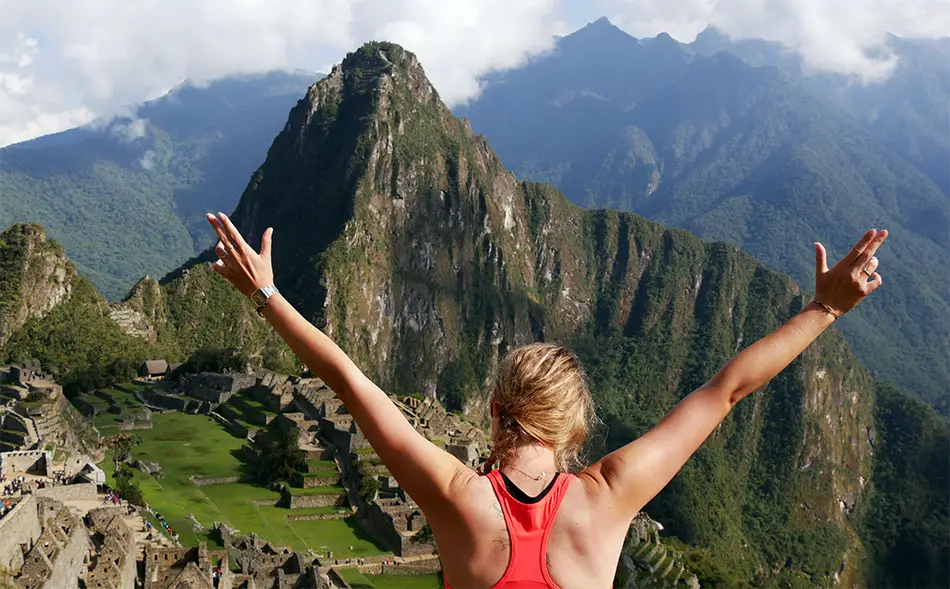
[192, 445]
[112, 406]
[433, 581]
[298, 492]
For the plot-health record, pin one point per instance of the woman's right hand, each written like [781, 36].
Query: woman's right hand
[851, 279]
[246, 269]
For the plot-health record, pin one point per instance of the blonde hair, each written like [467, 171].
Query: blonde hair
[541, 396]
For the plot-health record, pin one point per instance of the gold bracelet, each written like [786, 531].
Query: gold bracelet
[826, 307]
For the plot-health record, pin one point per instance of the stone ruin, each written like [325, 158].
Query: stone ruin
[325, 430]
[35, 414]
[646, 562]
[57, 557]
[38, 462]
[112, 566]
[45, 545]
[259, 566]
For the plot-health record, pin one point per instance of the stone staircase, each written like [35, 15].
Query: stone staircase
[652, 566]
[18, 431]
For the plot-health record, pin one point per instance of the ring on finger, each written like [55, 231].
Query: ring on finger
[865, 270]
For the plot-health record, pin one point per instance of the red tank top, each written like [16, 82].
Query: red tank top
[529, 525]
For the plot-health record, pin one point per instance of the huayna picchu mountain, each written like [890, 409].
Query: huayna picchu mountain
[398, 231]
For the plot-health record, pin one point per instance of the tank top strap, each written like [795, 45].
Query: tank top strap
[529, 525]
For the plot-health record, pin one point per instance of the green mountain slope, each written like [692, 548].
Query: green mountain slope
[741, 154]
[123, 197]
[51, 313]
[907, 111]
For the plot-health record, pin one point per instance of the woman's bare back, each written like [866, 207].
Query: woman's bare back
[583, 546]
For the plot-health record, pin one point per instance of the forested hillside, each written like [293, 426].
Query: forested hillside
[126, 196]
[747, 155]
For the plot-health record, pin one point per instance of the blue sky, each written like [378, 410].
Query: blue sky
[65, 62]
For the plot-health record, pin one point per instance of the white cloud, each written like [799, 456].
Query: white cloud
[838, 36]
[64, 63]
[86, 59]
[148, 160]
[129, 129]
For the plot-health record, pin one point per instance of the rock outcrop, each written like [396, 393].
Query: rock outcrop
[36, 277]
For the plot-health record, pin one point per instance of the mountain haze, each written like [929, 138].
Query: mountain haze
[907, 111]
[125, 196]
[737, 153]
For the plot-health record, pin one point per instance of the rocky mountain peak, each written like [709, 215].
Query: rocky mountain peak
[36, 276]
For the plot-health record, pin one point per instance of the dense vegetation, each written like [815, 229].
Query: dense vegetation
[78, 341]
[83, 346]
[749, 156]
[907, 517]
[126, 197]
[280, 456]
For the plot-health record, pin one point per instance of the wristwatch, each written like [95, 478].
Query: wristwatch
[261, 297]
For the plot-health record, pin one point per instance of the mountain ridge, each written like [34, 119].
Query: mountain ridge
[139, 183]
[735, 153]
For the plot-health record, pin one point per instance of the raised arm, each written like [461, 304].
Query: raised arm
[424, 470]
[635, 473]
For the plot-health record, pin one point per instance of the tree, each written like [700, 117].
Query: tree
[127, 487]
[121, 446]
[282, 458]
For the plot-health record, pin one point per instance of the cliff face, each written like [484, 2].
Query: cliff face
[36, 277]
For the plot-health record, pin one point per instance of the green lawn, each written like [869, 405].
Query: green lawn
[405, 581]
[253, 403]
[186, 445]
[355, 578]
[127, 403]
[321, 473]
[298, 492]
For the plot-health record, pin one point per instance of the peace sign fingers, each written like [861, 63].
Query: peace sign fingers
[852, 258]
[868, 253]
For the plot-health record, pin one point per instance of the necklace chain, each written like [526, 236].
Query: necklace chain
[532, 477]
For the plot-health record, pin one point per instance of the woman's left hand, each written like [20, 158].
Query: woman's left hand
[246, 269]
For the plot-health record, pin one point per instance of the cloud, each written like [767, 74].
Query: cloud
[148, 160]
[128, 130]
[837, 36]
[63, 62]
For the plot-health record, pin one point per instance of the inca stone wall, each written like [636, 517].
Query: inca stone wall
[20, 526]
[68, 492]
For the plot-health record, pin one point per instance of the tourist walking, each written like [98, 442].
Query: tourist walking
[527, 519]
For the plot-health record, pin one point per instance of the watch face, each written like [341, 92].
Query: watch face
[258, 297]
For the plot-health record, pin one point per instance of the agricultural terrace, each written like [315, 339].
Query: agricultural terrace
[196, 446]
